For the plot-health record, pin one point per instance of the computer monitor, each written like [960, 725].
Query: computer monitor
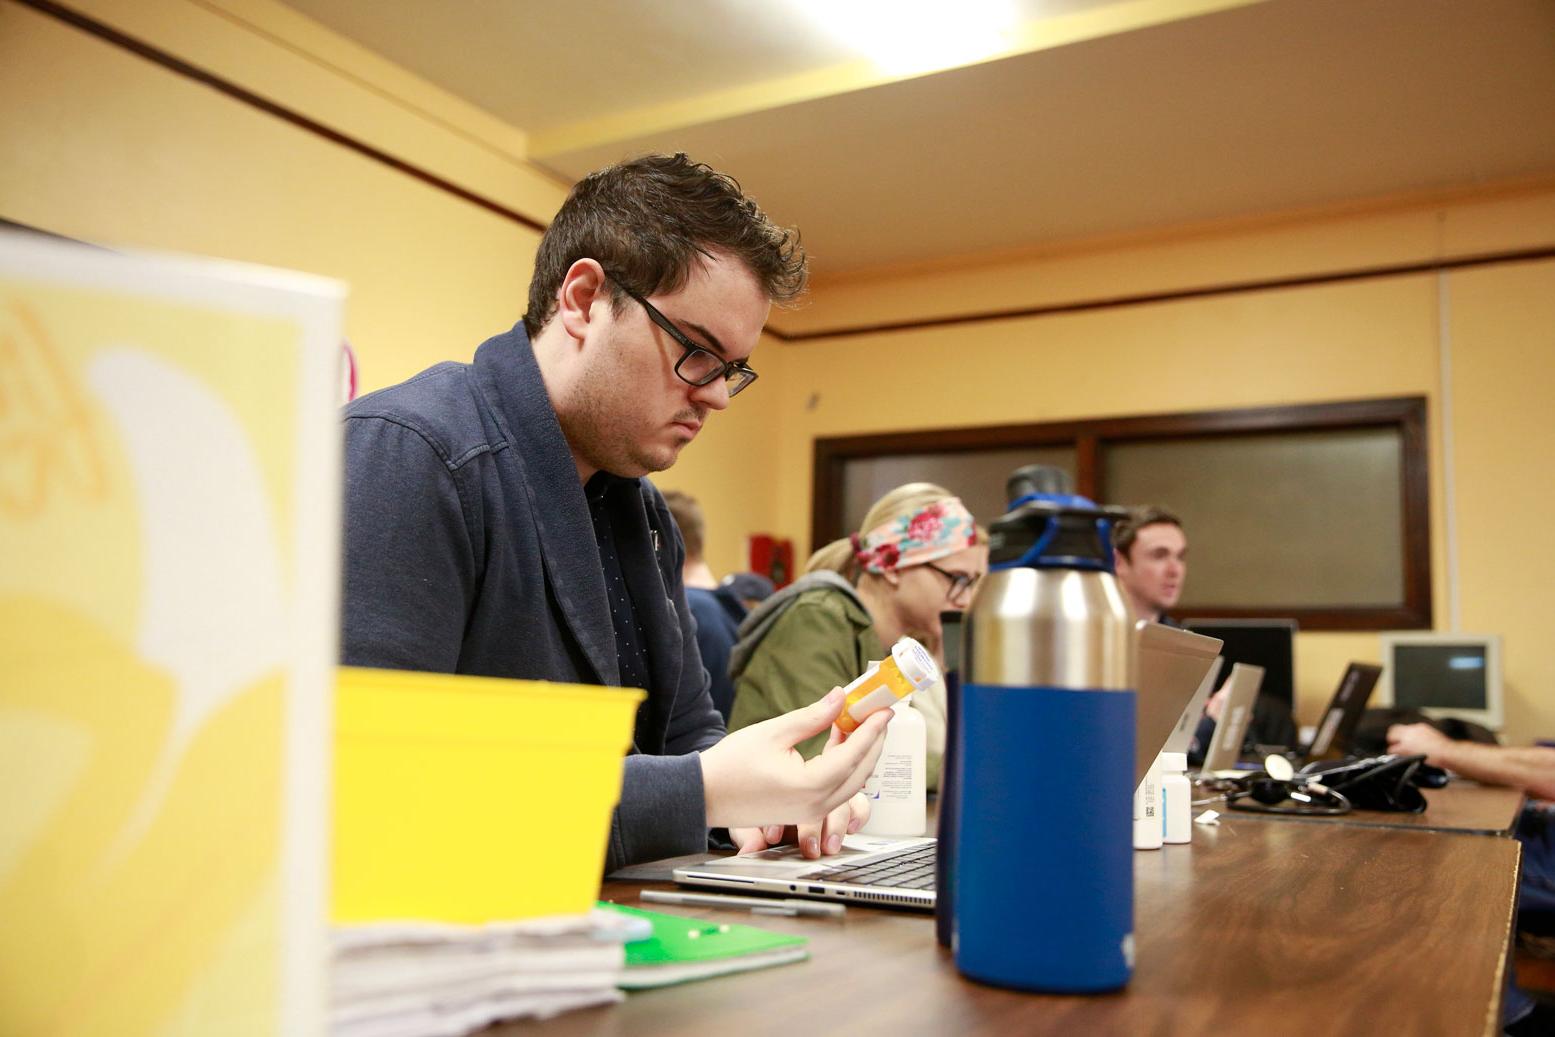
[1269, 644]
[1443, 675]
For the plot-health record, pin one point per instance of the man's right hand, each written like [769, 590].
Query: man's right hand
[1419, 739]
[755, 776]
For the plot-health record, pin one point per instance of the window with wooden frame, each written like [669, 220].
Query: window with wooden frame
[1318, 512]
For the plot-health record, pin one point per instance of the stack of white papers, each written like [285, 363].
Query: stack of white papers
[418, 979]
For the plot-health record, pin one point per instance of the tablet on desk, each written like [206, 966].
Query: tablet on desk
[1226, 747]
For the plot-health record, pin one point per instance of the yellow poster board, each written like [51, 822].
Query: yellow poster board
[169, 484]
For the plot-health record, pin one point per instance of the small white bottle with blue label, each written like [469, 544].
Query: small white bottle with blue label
[1148, 827]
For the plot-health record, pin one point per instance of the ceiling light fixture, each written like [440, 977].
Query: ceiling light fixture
[908, 37]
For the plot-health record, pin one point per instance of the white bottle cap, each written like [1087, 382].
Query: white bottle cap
[915, 662]
[1171, 763]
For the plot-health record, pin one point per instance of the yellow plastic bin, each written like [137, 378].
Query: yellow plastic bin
[472, 799]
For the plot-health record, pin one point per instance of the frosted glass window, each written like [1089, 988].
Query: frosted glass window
[1300, 519]
[977, 477]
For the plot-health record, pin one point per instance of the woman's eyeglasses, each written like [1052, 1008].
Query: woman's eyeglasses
[961, 583]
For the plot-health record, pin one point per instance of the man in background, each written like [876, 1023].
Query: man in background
[719, 608]
[1151, 553]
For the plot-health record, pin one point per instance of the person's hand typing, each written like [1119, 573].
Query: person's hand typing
[814, 839]
[756, 784]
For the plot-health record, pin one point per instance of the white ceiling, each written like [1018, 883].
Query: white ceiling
[1148, 123]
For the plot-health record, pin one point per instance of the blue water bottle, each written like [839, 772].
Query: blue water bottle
[1043, 886]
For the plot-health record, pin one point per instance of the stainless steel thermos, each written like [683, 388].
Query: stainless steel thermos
[1039, 853]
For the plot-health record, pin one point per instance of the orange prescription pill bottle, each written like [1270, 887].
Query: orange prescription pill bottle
[907, 669]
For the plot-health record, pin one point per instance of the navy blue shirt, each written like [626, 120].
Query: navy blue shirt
[631, 642]
[718, 614]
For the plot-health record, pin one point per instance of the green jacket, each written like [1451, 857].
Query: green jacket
[800, 643]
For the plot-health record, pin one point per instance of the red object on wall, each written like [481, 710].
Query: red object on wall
[772, 557]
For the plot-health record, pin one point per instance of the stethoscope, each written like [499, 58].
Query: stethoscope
[1277, 790]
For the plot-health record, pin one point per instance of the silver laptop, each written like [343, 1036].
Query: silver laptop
[1226, 747]
[900, 872]
[1181, 738]
[1173, 665]
[869, 870]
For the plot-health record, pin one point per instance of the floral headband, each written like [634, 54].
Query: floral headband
[940, 529]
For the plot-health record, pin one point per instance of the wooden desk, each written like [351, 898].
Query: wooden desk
[1256, 928]
[1463, 807]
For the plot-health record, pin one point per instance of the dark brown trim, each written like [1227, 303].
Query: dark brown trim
[199, 75]
[1357, 618]
[1090, 439]
[1396, 410]
[1416, 491]
[1087, 466]
[1178, 295]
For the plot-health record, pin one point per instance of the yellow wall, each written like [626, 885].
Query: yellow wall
[152, 159]
[1501, 339]
[1367, 338]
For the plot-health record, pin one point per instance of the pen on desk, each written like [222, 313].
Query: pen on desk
[755, 905]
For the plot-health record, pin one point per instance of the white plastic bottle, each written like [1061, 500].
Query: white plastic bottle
[1148, 828]
[897, 790]
[1176, 798]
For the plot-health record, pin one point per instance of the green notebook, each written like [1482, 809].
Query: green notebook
[684, 949]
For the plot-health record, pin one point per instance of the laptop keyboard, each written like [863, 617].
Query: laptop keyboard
[912, 869]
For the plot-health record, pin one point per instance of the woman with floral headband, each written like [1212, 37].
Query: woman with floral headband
[919, 554]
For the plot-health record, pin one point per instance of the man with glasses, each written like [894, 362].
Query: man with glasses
[497, 522]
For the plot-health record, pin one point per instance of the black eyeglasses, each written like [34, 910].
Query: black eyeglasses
[960, 583]
[696, 366]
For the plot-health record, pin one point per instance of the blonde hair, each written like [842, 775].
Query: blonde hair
[909, 499]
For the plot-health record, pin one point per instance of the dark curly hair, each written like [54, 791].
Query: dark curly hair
[648, 219]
